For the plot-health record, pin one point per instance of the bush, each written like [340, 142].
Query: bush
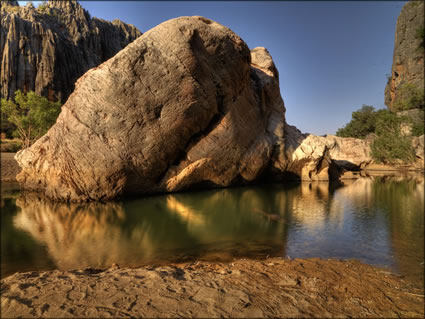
[363, 122]
[390, 145]
[32, 115]
[418, 124]
[409, 96]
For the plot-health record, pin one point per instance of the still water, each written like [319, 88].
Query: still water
[379, 221]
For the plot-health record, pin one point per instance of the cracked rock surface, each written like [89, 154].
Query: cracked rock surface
[243, 288]
[187, 104]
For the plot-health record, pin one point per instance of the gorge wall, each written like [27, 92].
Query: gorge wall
[408, 58]
[46, 49]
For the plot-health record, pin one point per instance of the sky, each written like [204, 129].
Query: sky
[332, 56]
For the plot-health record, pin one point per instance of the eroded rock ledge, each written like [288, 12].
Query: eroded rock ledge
[186, 105]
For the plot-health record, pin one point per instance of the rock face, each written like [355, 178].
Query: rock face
[408, 58]
[186, 105]
[47, 49]
[310, 157]
[418, 144]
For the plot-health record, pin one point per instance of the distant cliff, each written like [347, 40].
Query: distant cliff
[46, 49]
[408, 58]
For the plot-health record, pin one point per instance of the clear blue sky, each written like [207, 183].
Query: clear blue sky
[332, 56]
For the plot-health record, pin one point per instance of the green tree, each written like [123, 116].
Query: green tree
[363, 122]
[409, 96]
[32, 115]
[390, 145]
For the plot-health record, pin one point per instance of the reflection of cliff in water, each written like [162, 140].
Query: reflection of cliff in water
[403, 199]
[369, 218]
[208, 225]
[79, 236]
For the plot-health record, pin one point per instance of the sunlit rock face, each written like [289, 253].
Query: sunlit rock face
[408, 57]
[311, 157]
[187, 103]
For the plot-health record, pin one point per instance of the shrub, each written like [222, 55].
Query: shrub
[362, 123]
[418, 124]
[389, 144]
[408, 96]
[32, 115]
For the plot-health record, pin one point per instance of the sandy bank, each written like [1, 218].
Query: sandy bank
[245, 288]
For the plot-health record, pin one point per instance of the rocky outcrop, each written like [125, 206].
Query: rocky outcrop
[186, 105]
[311, 157]
[408, 58]
[46, 49]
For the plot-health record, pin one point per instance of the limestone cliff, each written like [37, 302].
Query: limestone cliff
[46, 49]
[408, 58]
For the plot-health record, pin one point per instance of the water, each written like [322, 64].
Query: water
[379, 221]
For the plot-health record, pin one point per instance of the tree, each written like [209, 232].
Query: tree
[32, 115]
[390, 145]
[363, 122]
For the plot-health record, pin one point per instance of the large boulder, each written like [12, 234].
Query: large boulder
[187, 104]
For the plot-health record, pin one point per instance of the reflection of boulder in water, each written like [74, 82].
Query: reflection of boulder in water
[225, 215]
[186, 213]
[310, 205]
[80, 235]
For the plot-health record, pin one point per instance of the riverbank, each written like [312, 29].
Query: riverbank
[244, 288]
